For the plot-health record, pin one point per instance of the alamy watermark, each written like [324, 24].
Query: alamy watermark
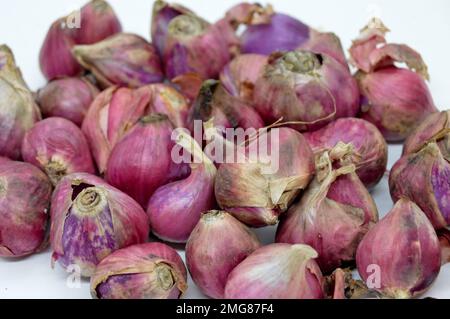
[233, 145]
[72, 21]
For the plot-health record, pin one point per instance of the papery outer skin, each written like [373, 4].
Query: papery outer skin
[370, 51]
[408, 233]
[68, 97]
[204, 53]
[423, 177]
[166, 100]
[276, 271]
[141, 161]
[162, 14]
[24, 200]
[244, 191]
[370, 148]
[241, 13]
[18, 110]
[339, 284]
[188, 84]
[282, 33]
[182, 201]
[57, 147]
[111, 115]
[332, 220]
[240, 75]
[315, 97]
[84, 239]
[97, 22]
[218, 243]
[327, 43]
[129, 273]
[123, 59]
[215, 103]
[371, 36]
[426, 131]
[395, 100]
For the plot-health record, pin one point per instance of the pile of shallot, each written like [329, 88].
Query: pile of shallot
[107, 165]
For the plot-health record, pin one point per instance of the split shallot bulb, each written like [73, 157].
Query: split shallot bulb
[18, 110]
[94, 22]
[401, 253]
[370, 151]
[69, 98]
[215, 247]
[57, 147]
[423, 177]
[277, 271]
[24, 200]
[436, 127]
[145, 271]
[305, 88]
[240, 75]
[185, 200]
[123, 59]
[333, 215]
[395, 99]
[141, 161]
[215, 103]
[111, 115]
[257, 191]
[90, 219]
[194, 45]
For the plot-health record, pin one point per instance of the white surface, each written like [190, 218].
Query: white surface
[424, 25]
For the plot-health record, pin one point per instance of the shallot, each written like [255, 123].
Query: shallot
[145, 271]
[90, 219]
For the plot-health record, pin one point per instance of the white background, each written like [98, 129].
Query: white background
[424, 25]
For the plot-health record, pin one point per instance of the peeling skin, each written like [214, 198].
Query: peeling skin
[421, 177]
[408, 232]
[246, 192]
[229, 242]
[370, 148]
[277, 271]
[435, 127]
[146, 271]
[332, 216]
[90, 220]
